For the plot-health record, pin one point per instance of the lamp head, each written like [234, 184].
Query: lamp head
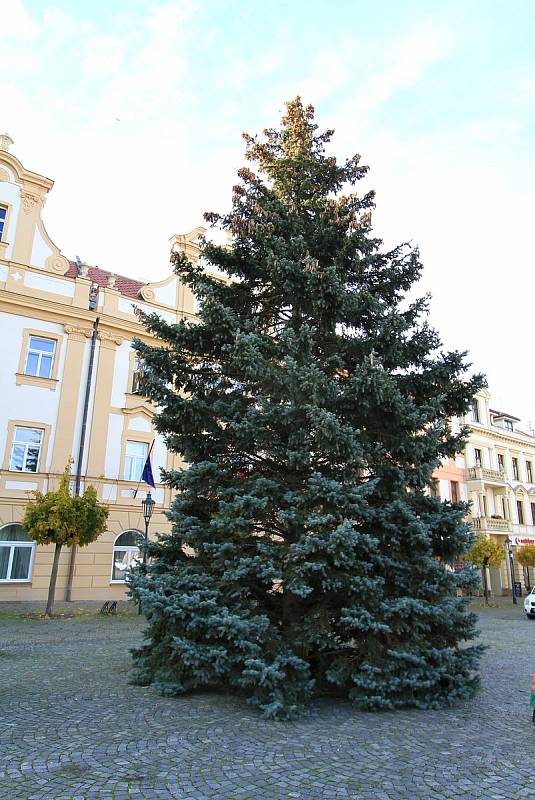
[148, 507]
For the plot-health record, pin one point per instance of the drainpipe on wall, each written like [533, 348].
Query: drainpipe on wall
[78, 479]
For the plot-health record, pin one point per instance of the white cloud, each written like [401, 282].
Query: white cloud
[16, 22]
[417, 51]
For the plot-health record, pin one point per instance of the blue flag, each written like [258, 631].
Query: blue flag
[146, 475]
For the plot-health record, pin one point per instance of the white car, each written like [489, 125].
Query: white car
[529, 604]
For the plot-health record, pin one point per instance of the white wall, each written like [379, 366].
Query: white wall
[40, 250]
[120, 375]
[113, 447]
[47, 283]
[26, 402]
[166, 294]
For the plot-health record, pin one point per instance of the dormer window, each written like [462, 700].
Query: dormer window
[474, 411]
[3, 216]
[505, 421]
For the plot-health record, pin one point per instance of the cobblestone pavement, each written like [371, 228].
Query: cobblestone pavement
[73, 729]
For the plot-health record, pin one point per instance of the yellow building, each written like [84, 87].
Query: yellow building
[68, 366]
[500, 477]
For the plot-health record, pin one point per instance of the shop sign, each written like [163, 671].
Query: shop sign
[519, 541]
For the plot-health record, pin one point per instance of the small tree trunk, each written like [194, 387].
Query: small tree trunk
[485, 584]
[52, 585]
[527, 582]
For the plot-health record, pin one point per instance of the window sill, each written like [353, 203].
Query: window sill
[22, 471]
[35, 380]
[114, 583]
[5, 582]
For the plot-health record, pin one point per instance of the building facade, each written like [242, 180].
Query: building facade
[500, 478]
[67, 333]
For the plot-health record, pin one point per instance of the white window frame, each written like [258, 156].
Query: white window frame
[129, 473]
[3, 221]
[40, 353]
[26, 445]
[125, 548]
[12, 544]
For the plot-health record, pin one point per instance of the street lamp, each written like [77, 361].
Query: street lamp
[509, 547]
[148, 507]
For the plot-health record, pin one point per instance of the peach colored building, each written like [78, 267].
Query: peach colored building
[66, 332]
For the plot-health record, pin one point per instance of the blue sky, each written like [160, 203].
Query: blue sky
[135, 109]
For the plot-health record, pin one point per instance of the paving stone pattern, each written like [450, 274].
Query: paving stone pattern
[73, 729]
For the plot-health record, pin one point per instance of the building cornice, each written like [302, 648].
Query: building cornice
[508, 437]
[74, 316]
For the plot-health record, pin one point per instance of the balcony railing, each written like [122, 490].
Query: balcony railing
[484, 474]
[491, 524]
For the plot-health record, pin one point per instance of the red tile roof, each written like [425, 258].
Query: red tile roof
[524, 433]
[127, 286]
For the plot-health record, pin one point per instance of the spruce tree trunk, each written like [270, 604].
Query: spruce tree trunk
[485, 584]
[52, 585]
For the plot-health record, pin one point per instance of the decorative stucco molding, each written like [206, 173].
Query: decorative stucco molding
[147, 293]
[30, 200]
[76, 330]
[57, 263]
[106, 336]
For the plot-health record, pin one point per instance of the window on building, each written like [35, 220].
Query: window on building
[3, 215]
[136, 376]
[474, 411]
[40, 357]
[501, 462]
[16, 554]
[477, 456]
[134, 460]
[532, 505]
[434, 488]
[125, 553]
[520, 511]
[529, 472]
[515, 469]
[26, 450]
[508, 424]
[454, 491]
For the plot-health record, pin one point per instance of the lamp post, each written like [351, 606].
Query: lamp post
[509, 547]
[148, 507]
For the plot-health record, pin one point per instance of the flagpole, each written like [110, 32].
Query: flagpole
[148, 456]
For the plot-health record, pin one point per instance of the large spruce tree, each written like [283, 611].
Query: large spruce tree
[311, 403]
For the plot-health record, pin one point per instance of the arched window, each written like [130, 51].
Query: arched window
[16, 553]
[125, 551]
